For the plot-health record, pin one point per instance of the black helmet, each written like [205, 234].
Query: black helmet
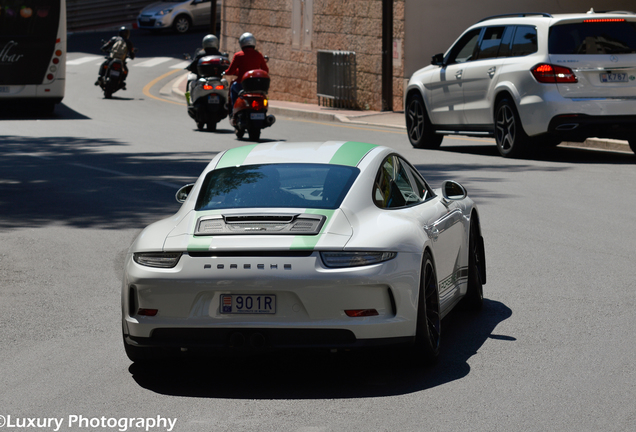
[124, 32]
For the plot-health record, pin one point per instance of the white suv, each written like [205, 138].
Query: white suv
[530, 80]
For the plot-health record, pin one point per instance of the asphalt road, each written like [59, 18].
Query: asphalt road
[553, 349]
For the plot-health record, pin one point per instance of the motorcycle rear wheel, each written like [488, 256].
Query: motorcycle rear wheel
[212, 127]
[254, 133]
[200, 126]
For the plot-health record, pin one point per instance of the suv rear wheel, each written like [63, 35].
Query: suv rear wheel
[418, 125]
[511, 139]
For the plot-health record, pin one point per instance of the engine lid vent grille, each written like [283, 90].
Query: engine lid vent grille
[254, 224]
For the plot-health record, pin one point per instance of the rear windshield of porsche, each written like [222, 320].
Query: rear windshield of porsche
[593, 36]
[318, 186]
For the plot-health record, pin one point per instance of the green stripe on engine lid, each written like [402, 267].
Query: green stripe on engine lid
[351, 153]
[235, 156]
[309, 242]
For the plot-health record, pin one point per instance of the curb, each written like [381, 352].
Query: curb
[174, 87]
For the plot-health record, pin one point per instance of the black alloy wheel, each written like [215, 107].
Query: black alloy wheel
[510, 137]
[418, 126]
[474, 299]
[428, 330]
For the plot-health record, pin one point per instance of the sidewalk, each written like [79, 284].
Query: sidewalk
[370, 118]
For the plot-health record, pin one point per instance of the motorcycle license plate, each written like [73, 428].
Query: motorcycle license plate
[257, 116]
[114, 73]
[213, 99]
[248, 304]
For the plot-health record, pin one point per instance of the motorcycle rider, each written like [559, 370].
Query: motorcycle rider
[120, 47]
[244, 61]
[210, 44]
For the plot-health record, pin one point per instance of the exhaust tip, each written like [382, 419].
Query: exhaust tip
[567, 127]
[257, 340]
[237, 340]
[270, 119]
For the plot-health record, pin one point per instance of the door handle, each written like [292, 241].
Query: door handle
[491, 71]
[458, 74]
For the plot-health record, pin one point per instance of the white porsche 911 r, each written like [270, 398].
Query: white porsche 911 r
[334, 245]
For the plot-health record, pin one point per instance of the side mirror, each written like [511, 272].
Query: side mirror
[453, 191]
[266, 58]
[182, 194]
[438, 60]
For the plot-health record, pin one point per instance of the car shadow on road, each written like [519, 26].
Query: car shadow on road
[562, 153]
[27, 111]
[324, 375]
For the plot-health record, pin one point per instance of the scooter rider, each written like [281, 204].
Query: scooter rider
[210, 44]
[244, 61]
[120, 47]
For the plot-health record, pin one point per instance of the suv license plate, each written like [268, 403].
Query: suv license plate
[248, 304]
[257, 116]
[213, 99]
[613, 77]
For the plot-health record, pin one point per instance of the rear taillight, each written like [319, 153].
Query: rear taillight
[116, 66]
[551, 74]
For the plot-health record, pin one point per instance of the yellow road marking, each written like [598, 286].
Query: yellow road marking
[148, 86]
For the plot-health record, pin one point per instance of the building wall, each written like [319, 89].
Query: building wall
[347, 25]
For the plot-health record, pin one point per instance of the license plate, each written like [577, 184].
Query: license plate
[114, 73]
[248, 304]
[4, 89]
[213, 99]
[145, 20]
[613, 77]
[257, 116]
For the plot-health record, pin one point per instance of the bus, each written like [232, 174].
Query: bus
[32, 53]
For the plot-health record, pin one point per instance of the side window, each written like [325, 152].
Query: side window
[489, 45]
[423, 191]
[524, 41]
[506, 42]
[464, 49]
[393, 186]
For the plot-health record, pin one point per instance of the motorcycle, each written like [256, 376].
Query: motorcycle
[249, 112]
[208, 95]
[114, 77]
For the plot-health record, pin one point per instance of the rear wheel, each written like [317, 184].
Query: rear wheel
[418, 125]
[474, 299]
[428, 330]
[182, 24]
[200, 126]
[212, 127]
[255, 134]
[511, 139]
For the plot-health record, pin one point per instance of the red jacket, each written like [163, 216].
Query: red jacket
[245, 61]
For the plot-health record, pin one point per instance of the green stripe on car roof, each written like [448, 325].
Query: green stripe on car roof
[351, 153]
[235, 156]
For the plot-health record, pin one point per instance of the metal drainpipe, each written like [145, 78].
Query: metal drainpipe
[387, 55]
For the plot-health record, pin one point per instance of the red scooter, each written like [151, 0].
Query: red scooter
[249, 112]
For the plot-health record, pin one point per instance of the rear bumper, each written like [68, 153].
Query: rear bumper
[578, 127]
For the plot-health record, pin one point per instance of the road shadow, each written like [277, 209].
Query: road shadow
[82, 182]
[566, 154]
[23, 111]
[323, 375]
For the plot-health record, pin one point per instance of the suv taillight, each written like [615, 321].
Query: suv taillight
[551, 74]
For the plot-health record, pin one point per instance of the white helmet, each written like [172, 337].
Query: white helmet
[210, 41]
[247, 40]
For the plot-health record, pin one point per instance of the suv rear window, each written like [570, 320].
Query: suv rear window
[593, 38]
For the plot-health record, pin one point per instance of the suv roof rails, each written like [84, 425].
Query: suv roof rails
[621, 12]
[512, 15]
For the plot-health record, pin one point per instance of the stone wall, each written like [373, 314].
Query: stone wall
[348, 25]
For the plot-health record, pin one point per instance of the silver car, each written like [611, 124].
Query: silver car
[180, 16]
